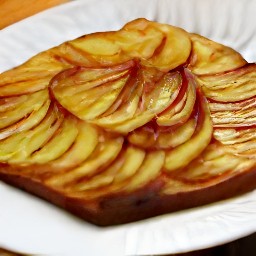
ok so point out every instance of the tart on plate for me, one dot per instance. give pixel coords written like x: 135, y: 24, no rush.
x: 125, y: 125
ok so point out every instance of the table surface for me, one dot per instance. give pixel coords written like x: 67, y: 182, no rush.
x: 12, y: 11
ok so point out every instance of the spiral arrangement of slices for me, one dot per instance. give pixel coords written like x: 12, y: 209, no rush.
x: 111, y: 112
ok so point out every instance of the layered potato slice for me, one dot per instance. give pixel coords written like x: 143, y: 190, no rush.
x: 123, y: 125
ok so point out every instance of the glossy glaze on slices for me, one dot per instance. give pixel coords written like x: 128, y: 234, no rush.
x: 121, y: 126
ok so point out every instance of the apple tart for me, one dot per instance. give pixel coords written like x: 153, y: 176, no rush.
x: 120, y: 126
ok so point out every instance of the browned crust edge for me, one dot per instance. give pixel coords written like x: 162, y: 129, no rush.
x: 139, y: 205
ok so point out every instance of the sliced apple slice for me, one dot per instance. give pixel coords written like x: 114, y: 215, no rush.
x: 238, y: 114
x: 230, y: 136
x: 24, y: 87
x: 201, y: 170
x: 184, y: 114
x: 69, y: 96
x: 208, y: 57
x: 177, y: 105
x: 247, y: 149
x: 92, y: 103
x: 174, y: 49
x: 70, y: 55
x: 79, y: 79
x: 150, y: 169
x: 122, y: 169
x: 26, y: 123
x: 102, y: 179
x: 40, y: 66
x: 103, y: 155
x: 58, y: 145
x: 153, y: 101
x: 97, y: 44
x: 86, y: 141
x: 182, y: 155
x: 33, y: 103
x: 125, y: 112
x: 162, y: 46
x: 231, y: 86
x: 216, y: 162
x: 178, y: 136
x: 104, y: 102
x: 162, y: 93
x: 126, y: 104
x: 8, y: 103
x: 155, y: 138
x: 143, y: 138
x: 135, y: 122
x: 87, y: 98
x: 31, y: 140
x: 139, y: 42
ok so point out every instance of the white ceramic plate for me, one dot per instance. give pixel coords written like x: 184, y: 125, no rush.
x: 28, y: 224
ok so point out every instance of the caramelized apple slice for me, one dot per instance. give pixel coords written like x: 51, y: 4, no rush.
x: 70, y: 55
x: 24, y: 87
x: 150, y: 169
x: 58, y: 145
x: 153, y: 137
x: 238, y: 141
x: 31, y: 140
x: 162, y: 93
x: 120, y: 46
x: 109, y: 94
x: 231, y: 86
x: 79, y: 79
x: 230, y: 136
x: 178, y: 104
x: 88, y: 98
x: 26, y: 123
x: 43, y: 65
x: 246, y: 148
x: 123, y: 168
x: 9, y: 103
x: 216, y: 162
x: 165, y: 119
x: 125, y: 112
x: 179, y: 136
x: 33, y: 103
x: 154, y: 100
x: 174, y: 49
x: 182, y: 155
x: 208, y: 57
x: 139, y: 42
x: 103, y: 155
x: 144, y: 137
x: 219, y: 167
x: 162, y: 46
x: 86, y: 141
x: 237, y: 114
x: 172, y: 45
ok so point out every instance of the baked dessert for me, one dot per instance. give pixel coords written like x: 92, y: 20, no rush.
x: 121, y: 126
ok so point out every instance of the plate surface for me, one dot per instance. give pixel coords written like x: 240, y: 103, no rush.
x: 30, y: 225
